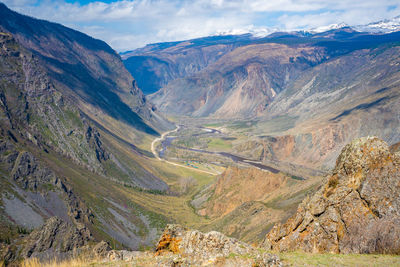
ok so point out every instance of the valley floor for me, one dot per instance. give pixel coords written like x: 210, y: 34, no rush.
x: 156, y: 154
x: 190, y: 157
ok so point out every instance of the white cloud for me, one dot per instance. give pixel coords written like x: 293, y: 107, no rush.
x: 356, y: 16
x: 129, y: 24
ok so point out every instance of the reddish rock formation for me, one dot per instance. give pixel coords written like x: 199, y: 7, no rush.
x: 236, y: 186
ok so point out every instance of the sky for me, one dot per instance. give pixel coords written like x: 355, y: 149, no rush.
x: 126, y: 25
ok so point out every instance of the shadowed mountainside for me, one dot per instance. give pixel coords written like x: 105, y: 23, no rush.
x: 72, y: 120
x: 77, y: 64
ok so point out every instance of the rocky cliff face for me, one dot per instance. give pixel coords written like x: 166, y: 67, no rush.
x: 35, y: 195
x: 356, y: 211
x: 236, y: 186
x: 356, y: 95
x: 361, y: 100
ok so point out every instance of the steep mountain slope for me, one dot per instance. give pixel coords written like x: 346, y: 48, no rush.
x: 55, y: 82
x: 245, y: 81
x: 71, y: 118
x: 78, y: 63
x: 240, y: 84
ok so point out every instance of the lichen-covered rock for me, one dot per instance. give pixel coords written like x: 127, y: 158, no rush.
x: 357, y: 211
x: 192, y: 247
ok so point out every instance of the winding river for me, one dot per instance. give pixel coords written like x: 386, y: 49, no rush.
x: 157, y: 155
x: 166, y: 141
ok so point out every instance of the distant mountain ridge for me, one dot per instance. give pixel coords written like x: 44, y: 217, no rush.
x: 153, y: 66
x: 192, y: 68
x: 382, y: 26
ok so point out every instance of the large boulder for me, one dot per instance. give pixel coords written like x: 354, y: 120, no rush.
x: 356, y: 211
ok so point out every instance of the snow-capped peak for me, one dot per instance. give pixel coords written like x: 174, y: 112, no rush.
x: 383, y: 26
x: 254, y: 31
x: 329, y: 27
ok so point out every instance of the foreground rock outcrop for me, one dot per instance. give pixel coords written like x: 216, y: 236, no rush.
x: 192, y: 247
x: 357, y: 211
x: 179, y: 246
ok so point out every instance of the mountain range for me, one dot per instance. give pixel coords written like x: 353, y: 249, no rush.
x: 87, y: 153
x: 350, y: 77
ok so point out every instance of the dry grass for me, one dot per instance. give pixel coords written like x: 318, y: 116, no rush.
x: 289, y: 259
x: 308, y: 259
x: 78, y: 262
x: 68, y: 263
